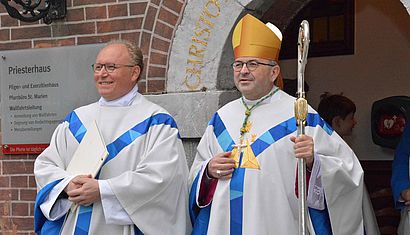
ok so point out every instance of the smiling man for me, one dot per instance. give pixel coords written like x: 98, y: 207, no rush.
x: 244, y: 174
x: 141, y: 187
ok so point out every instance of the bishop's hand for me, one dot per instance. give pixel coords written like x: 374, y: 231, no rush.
x: 221, y: 166
x: 304, y: 147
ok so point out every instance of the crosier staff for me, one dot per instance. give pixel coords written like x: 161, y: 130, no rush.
x: 301, y: 110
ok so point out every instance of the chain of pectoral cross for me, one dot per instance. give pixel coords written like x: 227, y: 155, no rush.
x: 246, y: 125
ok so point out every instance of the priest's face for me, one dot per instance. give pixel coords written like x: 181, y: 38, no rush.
x: 114, y: 74
x: 258, y: 79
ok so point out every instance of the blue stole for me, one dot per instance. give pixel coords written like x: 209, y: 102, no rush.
x: 41, y: 224
x: 78, y: 130
x: 200, y: 217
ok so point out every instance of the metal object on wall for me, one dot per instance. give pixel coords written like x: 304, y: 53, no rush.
x: 34, y: 10
x: 388, y: 119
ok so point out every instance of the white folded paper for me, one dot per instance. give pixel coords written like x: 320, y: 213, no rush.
x: 87, y: 159
x: 90, y: 154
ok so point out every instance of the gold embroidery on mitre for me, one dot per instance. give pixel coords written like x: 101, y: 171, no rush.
x: 251, y: 37
x: 249, y: 160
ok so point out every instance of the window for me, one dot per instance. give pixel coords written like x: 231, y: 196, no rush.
x: 331, y: 29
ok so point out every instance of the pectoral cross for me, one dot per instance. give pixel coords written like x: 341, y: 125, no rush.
x: 236, y: 152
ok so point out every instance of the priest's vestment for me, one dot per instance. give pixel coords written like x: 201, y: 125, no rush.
x: 146, y: 169
x: 263, y: 201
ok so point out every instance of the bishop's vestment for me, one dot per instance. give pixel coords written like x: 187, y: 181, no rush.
x: 263, y: 201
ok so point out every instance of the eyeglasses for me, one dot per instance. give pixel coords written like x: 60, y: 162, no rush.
x: 109, y: 67
x: 251, y: 65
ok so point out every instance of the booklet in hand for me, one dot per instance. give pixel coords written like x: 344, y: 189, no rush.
x: 90, y: 154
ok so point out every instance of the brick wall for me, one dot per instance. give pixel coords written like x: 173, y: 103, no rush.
x: 17, y: 193
x: 149, y: 23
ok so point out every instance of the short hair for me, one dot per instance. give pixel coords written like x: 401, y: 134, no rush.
x: 331, y: 106
x: 133, y: 50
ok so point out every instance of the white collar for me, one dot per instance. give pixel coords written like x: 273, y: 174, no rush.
x: 125, y: 100
x: 267, y: 101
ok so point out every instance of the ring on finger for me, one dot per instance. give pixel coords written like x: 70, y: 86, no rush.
x: 218, y: 172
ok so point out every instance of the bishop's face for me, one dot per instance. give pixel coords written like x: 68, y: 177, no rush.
x: 254, y: 84
x: 114, y: 84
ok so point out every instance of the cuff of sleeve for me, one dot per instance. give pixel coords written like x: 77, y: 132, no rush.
x: 206, y: 187
x: 105, y: 189
x: 56, y: 206
x: 316, y: 196
x: 114, y: 213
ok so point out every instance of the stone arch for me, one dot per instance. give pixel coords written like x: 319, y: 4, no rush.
x: 155, y: 38
x: 201, y: 50
x: 199, y: 80
x: 193, y: 106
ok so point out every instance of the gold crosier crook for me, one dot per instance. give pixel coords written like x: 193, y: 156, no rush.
x: 301, y: 111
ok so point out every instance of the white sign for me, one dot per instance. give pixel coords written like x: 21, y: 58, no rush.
x: 39, y: 87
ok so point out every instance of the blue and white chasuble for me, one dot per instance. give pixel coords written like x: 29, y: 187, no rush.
x: 263, y: 201
x: 146, y: 169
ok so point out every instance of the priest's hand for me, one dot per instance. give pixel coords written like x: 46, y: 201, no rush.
x: 71, y: 185
x: 304, y: 148
x: 221, y: 166
x: 405, y: 194
x: 88, y: 193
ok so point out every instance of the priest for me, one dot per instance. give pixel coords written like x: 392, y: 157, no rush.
x: 243, y: 179
x: 141, y: 188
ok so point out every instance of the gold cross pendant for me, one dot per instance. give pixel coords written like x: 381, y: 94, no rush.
x: 249, y: 160
x: 236, y: 152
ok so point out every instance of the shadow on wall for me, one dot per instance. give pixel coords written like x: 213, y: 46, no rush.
x: 396, y: 18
